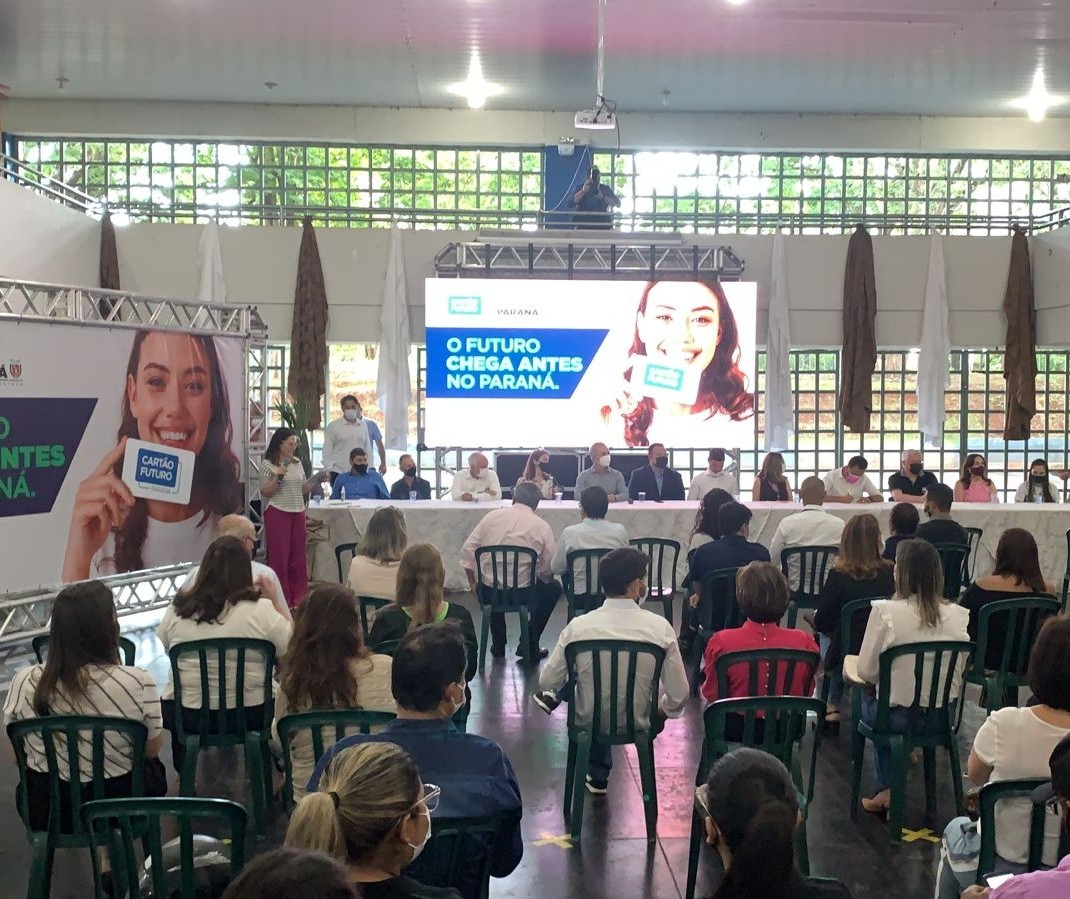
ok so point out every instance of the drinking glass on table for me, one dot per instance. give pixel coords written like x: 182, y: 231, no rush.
x: 642, y: 496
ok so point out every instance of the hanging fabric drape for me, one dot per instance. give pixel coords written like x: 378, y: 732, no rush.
x: 934, y: 358
x: 1020, y: 356
x: 108, y: 269
x: 308, y: 334
x: 779, y: 401
x: 859, y: 357
x: 393, y: 385
x: 211, y: 286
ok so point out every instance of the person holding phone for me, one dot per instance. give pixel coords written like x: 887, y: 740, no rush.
x: 593, y: 202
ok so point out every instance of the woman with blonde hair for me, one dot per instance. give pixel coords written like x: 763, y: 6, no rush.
x: 771, y: 486
x: 371, y: 812
x: 420, y: 600
x: 373, y: 571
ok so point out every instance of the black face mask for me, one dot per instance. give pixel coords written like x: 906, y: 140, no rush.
x: 1039, y: 478
x: 409, y: 472
x: 978, y: 471
x: 360, y: 469
x: 662, y: 461
x: 916, y: 468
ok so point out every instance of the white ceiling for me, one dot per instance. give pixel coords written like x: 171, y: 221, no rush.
x: 940, y: 57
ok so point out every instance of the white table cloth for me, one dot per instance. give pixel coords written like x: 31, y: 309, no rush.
x: 446, y: 524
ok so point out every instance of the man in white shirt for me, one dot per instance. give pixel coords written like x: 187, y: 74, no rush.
x: 601, y: 475
x: 593, y: 532
x: 478, y: 483
x: 714, y: 476
x: 813, y: 526
x: 850, y: 484
x: 623, y: 575
x: 517, y: 525
x: 345, y: 434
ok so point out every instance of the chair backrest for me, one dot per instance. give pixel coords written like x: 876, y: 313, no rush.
x: 1020, y: 620
x: 66, y: 738
x: 662, y: 557
x: 717, y: 607
x: 318, y: 722
x: 770, y: 672
x: 502, y: 589
x: 461, y: 851
x: 613, y: 674
x: 936, y: 666
x: 127, y: 649
x: 975, y: 545
x: 226, y: 657
x: 117, y: 823
x: 369, y: 604
x: 581, y: 567
x: 854, y: 616
x: 994, y: 792
x: 386, y: 647
x: 340, y: 550
x: 955, y: 561
x: 814, y: 563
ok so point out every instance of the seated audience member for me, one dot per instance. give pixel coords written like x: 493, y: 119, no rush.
x: 292, y: 874
x: 1036, y: 488
x: 1017, y: 573
x: 751, y: 811
x: 859, y: 572
x: 705, y: 529
x: 409, y: 481
x: 850, y: 484
x: 593, y: 532
x: 536, y: 471
x: 374, y: 568
x: 241, y: 527
x: 622, y: 573
x: 370, y: 811
x: 771, y: 486
x: 916, y: 613
x: 713, y: 478
x: 601, y: 475
x: 327, y: 666
x: 478, y: 483
x: 474, y: 773
x: 360, y: 482
x: 733, y: 550
x: 813, y: 526
x: 974, y: 485
x: 222, y: 602
x: 83, y: 676
x: 421, y: 600
x: 1015, y: 743
x: 655, y: 480
x: 904, y: 526
x: 517, y: 525
x: 908, y: 485
x: 941, y: 528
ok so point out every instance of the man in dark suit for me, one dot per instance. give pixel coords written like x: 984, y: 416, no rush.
x: 656, y: 481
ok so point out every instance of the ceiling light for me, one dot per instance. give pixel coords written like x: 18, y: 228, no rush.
x: 736, y: 2
x: 475, y: 88
x: 1038, y: 101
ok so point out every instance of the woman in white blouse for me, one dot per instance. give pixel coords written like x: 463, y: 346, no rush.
x: 1037, y: 487
x: 917, y: 613
x: 374, y: 569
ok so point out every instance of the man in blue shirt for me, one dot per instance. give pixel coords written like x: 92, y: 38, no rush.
x: 476, y: 777
x: 359, y: 482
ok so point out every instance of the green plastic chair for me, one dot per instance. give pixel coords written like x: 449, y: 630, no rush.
x: 370, y: 604
x: 117, y: 823
x: 1024, y: 617
x: 317, y: 722
x: 229, y: 656
x: 955, y: 562
x: 662, y: 558
x: 505, y: 594
x: 460, y: 852
x: 127, y: 649
x: 61, y: 736
x: 717, y: 610
x: 996, y: 791
x: 854, y: 616
x: 975, y: 545
x: 1066, y: 576
x: 585, y: 561
x: 386, y: 647
x: 814, y: 565
x: 930, y: 726
x: 340, y: 550
x: 612, y: 662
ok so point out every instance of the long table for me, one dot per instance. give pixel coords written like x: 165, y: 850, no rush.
x: 446, y: 524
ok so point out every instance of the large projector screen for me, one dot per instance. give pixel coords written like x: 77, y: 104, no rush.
x: 526, y: 363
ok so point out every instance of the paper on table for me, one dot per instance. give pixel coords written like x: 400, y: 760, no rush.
x: 850, y: 670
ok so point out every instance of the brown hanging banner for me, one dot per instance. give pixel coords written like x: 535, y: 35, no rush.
x: 859, y: 357
x: 1020, y: 354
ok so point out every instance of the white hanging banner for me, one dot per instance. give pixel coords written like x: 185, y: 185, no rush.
x: 934, y: 358
x: 779, y: 401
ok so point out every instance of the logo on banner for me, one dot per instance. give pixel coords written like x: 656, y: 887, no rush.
x: 465, y: 306
x: 11, y: 373
x: 153, y: 471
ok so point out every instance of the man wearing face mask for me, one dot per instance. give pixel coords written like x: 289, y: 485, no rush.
x: 850, y: 484
x: 622, y: 574
x: 656, y: 481
x: 477, y: 780
x: 345, y: 434
x: 713, y: 477
x: 908, y: 485
x: 410, y: 481
x: 601, y: 475
x: 359, y: 482
x: 940, y: 528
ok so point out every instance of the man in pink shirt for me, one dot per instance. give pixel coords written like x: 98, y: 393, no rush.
x: 517, y: 525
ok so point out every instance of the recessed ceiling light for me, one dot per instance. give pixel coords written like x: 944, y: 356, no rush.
x: 736, y: 2
x: 475, y: 88
x: 1038, y: 101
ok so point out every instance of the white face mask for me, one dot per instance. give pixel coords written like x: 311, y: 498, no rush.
x: 416, y: 850
x: 640, y: 600
x: 351, y: 414
x: 604, y: 460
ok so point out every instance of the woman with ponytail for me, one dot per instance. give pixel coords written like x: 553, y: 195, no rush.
x: 751, y: 812
x: 420, y: 600
x: 371, y: 812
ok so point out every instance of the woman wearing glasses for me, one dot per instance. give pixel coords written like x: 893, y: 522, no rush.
x: 371, y: 812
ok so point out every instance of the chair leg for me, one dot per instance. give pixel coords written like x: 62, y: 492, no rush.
x: 255, y: 775
x: 698, y: 832
x: 802, y: 849
x: 858, y: 755
x: 525, y: 639
x: 40, y: 883
x: 579, y: 783
x: 484, y: 637
x: 962, y: 706
x: 666, y: 604
x: 899, y: 787
x: 956, y: 776
x: 570, y: 777
x: 644, y: 749
x: 928, y: 756
x: 187, y: 778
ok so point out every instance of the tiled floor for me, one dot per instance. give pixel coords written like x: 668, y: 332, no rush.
x: 613, y: 858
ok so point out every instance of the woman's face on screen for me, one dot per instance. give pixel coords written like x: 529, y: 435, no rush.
x: 681, y: 323
x: 171, y: 396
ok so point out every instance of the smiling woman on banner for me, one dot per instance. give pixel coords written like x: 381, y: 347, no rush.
x: 175, y: 395
x: 686, y: 353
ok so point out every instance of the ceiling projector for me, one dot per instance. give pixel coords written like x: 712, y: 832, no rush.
x: 600, y: 119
